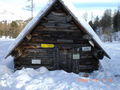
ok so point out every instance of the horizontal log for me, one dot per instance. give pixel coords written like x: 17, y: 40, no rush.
x: 63, y: 40
x: 78, y: 33
x: 60, y: 26
x: 86, y: 66
x: 58, y: 13
x: 49, y: 24
x: 53, y: 21
x: 74, y: 28
x: 56, y: 45
x: 56, y: 18
x: 50, y: 67
x: 39, y: 27
x: 50, y: 29
x: 40, y: 56
x: 57, y: 38
x: 40, y: 50
x: 87, y: 61
x: 26, y: 61
x: 56, y: 42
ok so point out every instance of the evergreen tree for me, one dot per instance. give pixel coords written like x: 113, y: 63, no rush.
x: 13, y: 29
x: 96, y: 23
x: 106, y: 20
x: 116, y: 21
x: 91, y: 24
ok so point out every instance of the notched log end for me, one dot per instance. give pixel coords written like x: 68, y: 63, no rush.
x: 29, y: 37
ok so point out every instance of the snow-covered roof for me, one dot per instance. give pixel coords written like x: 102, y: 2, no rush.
x: 72, y: 10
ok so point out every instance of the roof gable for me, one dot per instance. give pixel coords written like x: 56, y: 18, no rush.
x: 70, y: 8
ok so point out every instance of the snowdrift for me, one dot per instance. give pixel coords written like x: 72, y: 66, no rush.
x: 42, y: 79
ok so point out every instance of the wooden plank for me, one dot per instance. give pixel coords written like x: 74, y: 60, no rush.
x: 58, y: 13
x: 57, y: 38
x: 55, y: 21
x: 78, y: 33
x: 56, y: 18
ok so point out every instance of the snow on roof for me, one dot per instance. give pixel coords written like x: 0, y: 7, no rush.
x: 73, y: 12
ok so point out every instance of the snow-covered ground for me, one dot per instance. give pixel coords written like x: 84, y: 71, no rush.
x: 107, y: 78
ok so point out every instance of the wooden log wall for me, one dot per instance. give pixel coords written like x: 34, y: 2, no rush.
x: 58, y: 28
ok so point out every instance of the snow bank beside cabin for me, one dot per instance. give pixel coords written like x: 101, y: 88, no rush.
x: 30, y: 79
x: 4, y: 45
x: 112, y: 65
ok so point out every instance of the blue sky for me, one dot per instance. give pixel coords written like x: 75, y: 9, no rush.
x: 94, y: 5
x: 14, y: 9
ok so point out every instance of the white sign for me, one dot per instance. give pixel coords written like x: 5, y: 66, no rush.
x: 76, y: 56
x: 36, y: 61
x: 88, y: 48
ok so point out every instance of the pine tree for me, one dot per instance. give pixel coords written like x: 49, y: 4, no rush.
x: 96, y: 23
x: 13, y: 29
x: 106, y: 20
x: 116, y: 21
x: 91, y: 24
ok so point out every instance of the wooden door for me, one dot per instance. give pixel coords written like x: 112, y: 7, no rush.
x: 65, y: 59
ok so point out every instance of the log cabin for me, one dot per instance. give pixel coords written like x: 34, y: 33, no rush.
x: 59, y: 39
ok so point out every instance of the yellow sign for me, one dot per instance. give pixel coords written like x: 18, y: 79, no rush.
x: 47, y: 45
